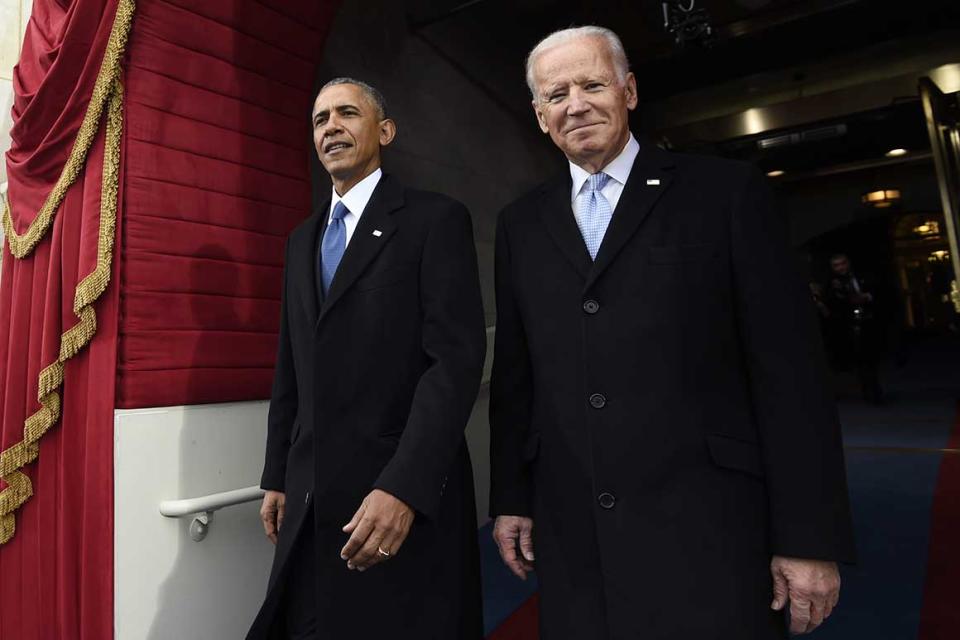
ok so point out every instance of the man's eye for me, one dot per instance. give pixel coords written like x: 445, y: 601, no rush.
x: 556, y: 97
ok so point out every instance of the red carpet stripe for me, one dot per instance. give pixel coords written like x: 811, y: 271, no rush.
x: 522, y: 623
x: 940, y: 616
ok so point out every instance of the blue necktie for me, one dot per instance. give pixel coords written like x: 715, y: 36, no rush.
x: 594, y: 212
x: 333, y: 245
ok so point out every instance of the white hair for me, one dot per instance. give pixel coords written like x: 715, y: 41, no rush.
x: 620, y: 63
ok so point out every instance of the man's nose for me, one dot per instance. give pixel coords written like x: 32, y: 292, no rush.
x: 332, y: 127
x: 577, y: 103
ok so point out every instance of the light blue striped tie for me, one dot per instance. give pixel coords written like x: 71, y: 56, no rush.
x: 594, y: 212
x: 333, y: 245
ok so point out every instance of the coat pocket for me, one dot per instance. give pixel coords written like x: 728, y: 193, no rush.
x: 738, y: 455
x: 393, y: 434
x: 295, y: 432
x: 386, y: 277
x: 680, y: 253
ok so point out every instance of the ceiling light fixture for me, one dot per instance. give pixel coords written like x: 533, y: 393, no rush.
x: 938, y: 255
x: 896, y: 153
x: 928, y: 228
x: 776, y: 173
x: 881, y: 199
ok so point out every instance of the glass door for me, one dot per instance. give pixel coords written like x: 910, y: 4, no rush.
x: 943, y: 125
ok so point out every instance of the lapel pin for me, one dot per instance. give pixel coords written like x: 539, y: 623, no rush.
x: 377, y: 232
x: 653, y: 182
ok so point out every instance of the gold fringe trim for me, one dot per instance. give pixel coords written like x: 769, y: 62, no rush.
x: 19, y: 488
x: 22, y: 245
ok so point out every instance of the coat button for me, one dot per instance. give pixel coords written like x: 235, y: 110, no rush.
x: 306, y: 498
x: 598, y: 401
x: 606, y: 500
x: 591, y: 306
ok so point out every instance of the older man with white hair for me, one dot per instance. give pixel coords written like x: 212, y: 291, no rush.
x: 664, y: 452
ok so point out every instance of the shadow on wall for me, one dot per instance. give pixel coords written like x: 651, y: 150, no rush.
x: 215, y: 586
x: 454, y: 136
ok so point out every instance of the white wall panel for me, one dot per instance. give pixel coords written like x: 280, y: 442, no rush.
x: 166, y: 585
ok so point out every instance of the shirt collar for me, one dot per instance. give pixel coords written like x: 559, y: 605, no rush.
x: 618, y: 168
x: 356, y: 199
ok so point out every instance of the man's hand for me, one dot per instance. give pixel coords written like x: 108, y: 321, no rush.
x: 271, y: 513
x: 510, y: 533
x: 380, y: 524
x: 811, y: 586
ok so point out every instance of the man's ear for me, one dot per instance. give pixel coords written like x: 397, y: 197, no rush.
x: 388, y: 131
x: 541, y: 119
x: 630, y: 88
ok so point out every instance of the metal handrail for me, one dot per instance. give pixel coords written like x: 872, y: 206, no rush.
x: 202, y: 508
x: 210, y: 503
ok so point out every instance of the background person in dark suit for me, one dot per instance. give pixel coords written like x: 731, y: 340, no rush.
x: 369, y: 486
x: 854, y: 313
x: 661, y: 435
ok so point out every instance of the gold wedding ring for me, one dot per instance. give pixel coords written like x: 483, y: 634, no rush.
x: 382, y: 552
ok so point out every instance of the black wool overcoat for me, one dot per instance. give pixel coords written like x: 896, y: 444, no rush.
x: 373, y: 387
x: 661, y: 412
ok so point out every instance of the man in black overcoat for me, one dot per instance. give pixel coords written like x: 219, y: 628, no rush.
x: 369, y: 491
x: 664, y: 451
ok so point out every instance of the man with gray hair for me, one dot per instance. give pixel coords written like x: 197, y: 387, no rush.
x: 664, y: 451
x: 369, y: 488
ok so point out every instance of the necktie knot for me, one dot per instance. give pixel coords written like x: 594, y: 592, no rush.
x: 597, y: 181
x: 340, y: 211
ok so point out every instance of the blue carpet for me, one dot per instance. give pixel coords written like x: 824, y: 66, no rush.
x: 881, y: 597
x: 891, y: 493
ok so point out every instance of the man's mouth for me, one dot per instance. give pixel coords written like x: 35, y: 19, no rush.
x: 581, y: 126
x: 335, y: 147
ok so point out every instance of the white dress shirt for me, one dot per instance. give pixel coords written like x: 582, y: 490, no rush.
x: 355, y: 200
x: 618, y: 169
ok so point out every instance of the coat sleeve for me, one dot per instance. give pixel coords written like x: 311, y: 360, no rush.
x: 454, y: 342
x: 511, y: 394
x: 796, y: 416
x: 283, y: 400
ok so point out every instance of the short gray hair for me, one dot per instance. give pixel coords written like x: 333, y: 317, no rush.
x: 375, y: 97
x: 620, y: 63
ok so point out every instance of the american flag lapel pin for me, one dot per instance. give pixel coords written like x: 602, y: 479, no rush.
x: 377, y: 232
x: 653, y: 182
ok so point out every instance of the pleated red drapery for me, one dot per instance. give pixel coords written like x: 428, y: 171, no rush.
x: 58, y: 346
x: 210, y: 174
x: 218, y: 143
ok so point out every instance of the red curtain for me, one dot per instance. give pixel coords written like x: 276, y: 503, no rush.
x: 58, y: 347
x: 218, y: 101
x: 213, y: 173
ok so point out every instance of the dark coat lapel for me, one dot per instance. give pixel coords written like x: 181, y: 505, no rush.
x: 557, y: 214
x: 636, y: 202
x: 364, y: 245
x: 303, y: 260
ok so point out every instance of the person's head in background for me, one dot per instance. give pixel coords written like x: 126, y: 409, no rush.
x: 840, y: 264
